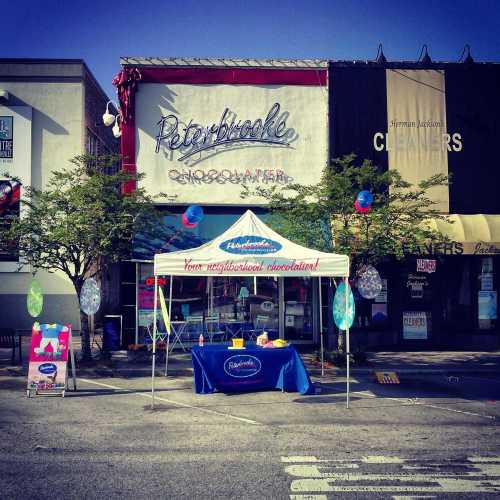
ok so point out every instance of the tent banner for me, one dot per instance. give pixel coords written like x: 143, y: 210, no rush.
x: 252, y: 266
x: 250, y: 247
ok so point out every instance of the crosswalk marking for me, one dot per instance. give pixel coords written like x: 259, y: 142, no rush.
x: 313, y: 478
x: 380, y: 459
x: 412, y: 497
x: 308, y: 497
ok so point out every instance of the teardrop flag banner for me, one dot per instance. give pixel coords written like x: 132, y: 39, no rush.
x: 34, y: 299
x: 343, y: 313
x: 164, y: 310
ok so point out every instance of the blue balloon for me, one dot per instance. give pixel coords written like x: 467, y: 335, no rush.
x: 194, y: 214
x: 365, y: 199
x: 343, y: 314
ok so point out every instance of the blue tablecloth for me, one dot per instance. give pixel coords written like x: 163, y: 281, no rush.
x: 217, y: 368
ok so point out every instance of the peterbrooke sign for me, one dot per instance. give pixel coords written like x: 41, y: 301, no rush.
x: 194, y: 138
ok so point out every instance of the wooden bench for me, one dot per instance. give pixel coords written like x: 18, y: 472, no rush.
x: 9, y: 340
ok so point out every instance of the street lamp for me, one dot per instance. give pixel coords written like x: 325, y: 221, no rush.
x: 117, y: 132
x: 109, y: 119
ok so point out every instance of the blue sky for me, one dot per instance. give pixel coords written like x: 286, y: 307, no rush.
x: 101, y: 31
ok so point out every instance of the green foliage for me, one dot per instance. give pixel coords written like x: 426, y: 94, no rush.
x: 323, y: 216
x: 81, y: 221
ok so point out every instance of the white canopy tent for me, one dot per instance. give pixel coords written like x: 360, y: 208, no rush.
x: 249, y: 248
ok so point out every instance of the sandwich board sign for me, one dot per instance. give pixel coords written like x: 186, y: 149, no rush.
x: 48, y: 365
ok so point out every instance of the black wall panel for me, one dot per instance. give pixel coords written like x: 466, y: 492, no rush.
x: 473, y: 110
x: 357, y: 109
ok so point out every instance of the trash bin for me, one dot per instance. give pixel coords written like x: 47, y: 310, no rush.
x: 112, y: 332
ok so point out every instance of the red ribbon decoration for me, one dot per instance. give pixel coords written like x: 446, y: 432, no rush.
x: 126, y: 83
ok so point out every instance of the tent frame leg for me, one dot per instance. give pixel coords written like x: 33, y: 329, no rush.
x: 153, y: 363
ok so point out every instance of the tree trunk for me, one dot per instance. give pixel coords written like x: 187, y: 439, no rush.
x: 85, y: 337
x: 84, y: 321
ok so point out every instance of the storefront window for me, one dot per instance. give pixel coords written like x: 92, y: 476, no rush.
x: 265, y: 303
x: 456, y: 296
x: 418, y: 297
x: 298, y: 308
x: 487, y: 296
x: 245, y: 299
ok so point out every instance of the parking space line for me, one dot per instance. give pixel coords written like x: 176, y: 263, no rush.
x: 165, y: 400
x: 416, y: 402
x: 456, y: 411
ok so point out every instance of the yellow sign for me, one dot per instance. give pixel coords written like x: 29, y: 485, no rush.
x: 387, y: 377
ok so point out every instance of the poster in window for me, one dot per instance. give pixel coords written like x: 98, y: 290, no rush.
x: 146, y: 295
x: 382, y: 296
x: 379, y: 313
x: 6, y: 136
x: 487, y: 265
x: 487, y: 282
x: 10, y: 194
x: 15, y: 159
x: 487, y: 305
x: 415, y: 325
x: 417, y: 291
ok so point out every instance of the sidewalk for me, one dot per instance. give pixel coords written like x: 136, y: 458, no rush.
x: 401, y: 362
x: 418, y: 362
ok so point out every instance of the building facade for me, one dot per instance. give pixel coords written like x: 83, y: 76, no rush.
x: 50, y: 111
x: 201, y: 130
x: 204, y: 130
x: 427, y: 119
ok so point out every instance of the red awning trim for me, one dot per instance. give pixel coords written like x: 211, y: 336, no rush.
x: 235, y: 76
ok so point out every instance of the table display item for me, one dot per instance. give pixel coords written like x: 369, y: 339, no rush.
x: 217, y: 369
x: 238, y: 343
x: 262, y: 339
x: 279, y: 343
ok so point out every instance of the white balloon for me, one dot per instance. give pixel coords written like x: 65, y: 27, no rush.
x: 369, y: 283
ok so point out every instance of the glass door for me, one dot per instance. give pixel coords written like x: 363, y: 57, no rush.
x: 298, y: 303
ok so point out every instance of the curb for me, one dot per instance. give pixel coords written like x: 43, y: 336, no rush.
x: 407, y: 370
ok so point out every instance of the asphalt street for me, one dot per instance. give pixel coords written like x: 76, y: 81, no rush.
x: 432, y: 436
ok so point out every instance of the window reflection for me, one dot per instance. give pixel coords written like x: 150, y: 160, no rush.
x: 298, y: 308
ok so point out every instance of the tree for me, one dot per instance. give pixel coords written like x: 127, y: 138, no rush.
x: 323, y: 216
x: 81, y: 222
